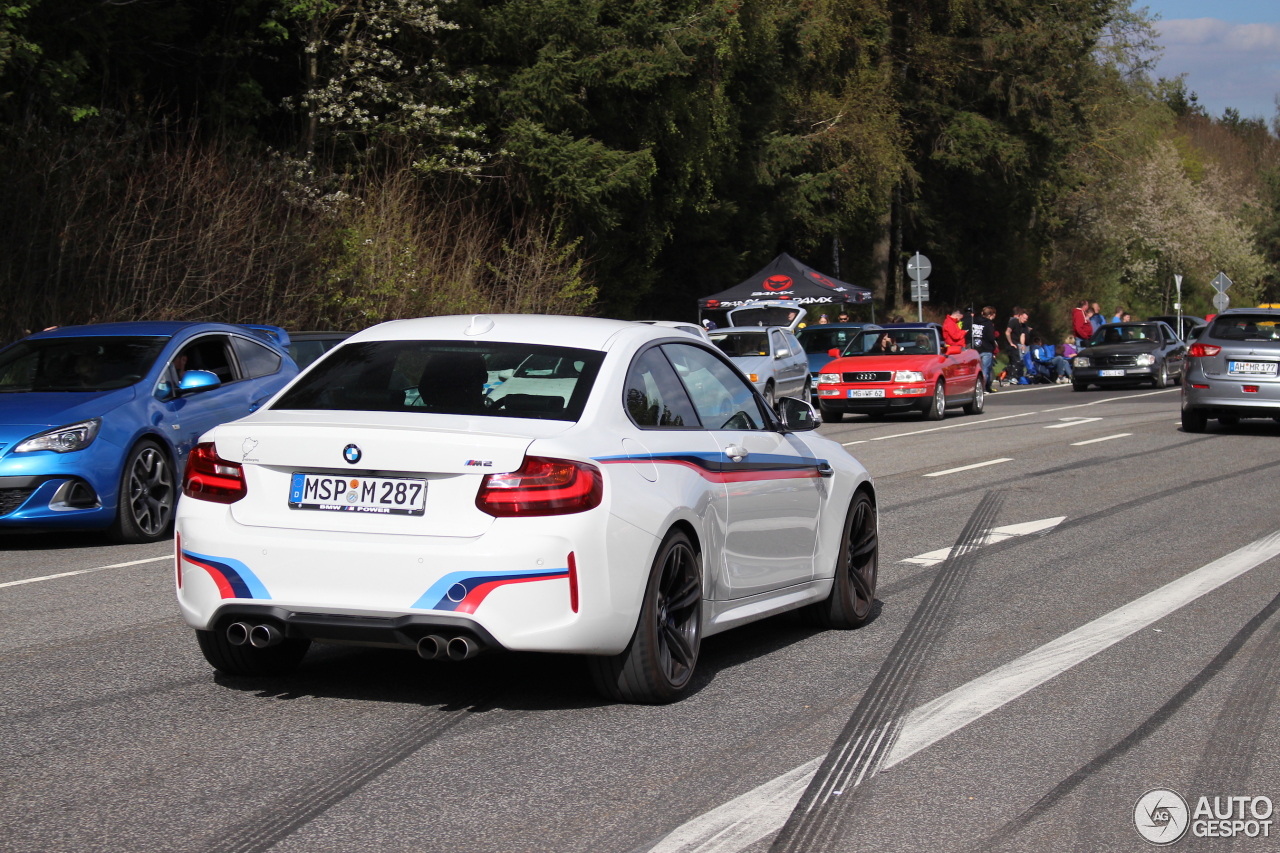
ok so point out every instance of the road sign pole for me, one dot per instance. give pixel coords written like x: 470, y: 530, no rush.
x: 1177, y: 281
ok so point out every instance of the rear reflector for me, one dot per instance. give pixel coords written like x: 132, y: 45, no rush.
x: 209, y: 477
x: 573, y: 583
x: 542, y: 487
x: 1250, y: 389
x: 1201, y: 387
x: 177, y: 557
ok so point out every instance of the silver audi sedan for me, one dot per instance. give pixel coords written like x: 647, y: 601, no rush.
x: 1233, y: 370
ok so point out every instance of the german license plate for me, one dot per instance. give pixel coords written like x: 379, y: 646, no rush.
x: 376, y: 495
x: 1111, y: 373
x: 866, y: 392
x: 1251, y: 368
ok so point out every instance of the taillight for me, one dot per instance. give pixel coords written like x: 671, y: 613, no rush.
x: 208, y: 477
x: 542, y: 487
x: 1203, y: 350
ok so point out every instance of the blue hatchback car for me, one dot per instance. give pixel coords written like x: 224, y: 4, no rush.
x: 96, y: 421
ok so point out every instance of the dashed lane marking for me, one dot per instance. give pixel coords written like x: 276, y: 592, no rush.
x: 1104, y: 438
x: 762, y: 811
x: 87, y: 571
x: 1071, y: 421
x: 992, y: 536
x: 970, y: 467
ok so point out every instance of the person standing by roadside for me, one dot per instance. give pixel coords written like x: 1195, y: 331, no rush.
x: 952, y: 334
x: 1095, y: 317
x: 1014, y: 333
x: 982, y: 337
x: 1080, y: 322
x: 1119, y: 315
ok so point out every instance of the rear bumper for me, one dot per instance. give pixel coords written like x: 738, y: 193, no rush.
x: 510, y: 587
x: 1229, y: 398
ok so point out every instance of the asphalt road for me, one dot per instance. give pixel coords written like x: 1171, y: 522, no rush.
x: 1018, y: 693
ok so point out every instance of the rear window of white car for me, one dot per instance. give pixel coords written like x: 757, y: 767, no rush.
x: 476, y: 378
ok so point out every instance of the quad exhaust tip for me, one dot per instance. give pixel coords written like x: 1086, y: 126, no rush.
x: 435, y: 647
x: 259, y: 636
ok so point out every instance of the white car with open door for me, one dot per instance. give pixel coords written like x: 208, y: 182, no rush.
x: 453, y: 485
x: 761, y: 341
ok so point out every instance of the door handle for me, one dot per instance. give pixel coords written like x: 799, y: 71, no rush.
x: 825, y: 469
x: 736, y: 453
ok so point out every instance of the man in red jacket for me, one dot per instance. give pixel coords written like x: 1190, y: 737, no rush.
x: 1080, y: 324
x: 952, y: 334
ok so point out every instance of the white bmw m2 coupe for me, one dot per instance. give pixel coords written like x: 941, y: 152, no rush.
x: 457, y: 485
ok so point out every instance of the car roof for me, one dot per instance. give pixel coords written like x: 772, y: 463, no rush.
x: 150, y: 328
x: 933, y: 326
x: 551, y: 330
x: 1274, y: 312
x: 850, y: 325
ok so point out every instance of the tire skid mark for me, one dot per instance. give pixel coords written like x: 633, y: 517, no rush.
x: 1046, y: 472
x: 1227, y: 758
x: 306, y: 802
x: 920, y: 577
x: 1146, y: 728
x: 98, y: 701
x: 870, y: 733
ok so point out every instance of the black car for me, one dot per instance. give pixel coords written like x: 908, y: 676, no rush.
x: 1189, y: 324
x: 306, y: 347
x: 1125, y: 353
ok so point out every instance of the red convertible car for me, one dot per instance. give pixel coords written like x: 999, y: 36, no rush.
x: 899, y: 368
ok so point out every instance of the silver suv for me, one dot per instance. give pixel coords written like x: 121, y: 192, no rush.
x: 1233, y: 370
x: 761, y: 342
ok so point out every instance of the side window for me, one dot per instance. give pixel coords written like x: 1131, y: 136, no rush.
x: 722, y: 398
x: 777, y: 342
x: 255, y: 359
x: 796, y: 349
x: 654, y: 396
x: 208, y: 352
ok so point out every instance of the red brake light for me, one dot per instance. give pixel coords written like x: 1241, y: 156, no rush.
x: 208, y: 477
x: 541, y: 487
x: 1203, y: 350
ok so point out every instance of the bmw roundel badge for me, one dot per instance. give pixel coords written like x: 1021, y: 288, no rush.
x: 351, y: 453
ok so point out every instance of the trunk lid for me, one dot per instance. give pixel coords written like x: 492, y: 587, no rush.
x: 452, y: 454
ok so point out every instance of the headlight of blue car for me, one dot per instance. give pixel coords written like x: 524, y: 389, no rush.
x: 63, y: 439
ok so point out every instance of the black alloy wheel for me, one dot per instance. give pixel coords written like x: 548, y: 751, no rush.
x: 144, y: 511
x: 853, y: 592
x: 938, y: 405
x: 658, y: 664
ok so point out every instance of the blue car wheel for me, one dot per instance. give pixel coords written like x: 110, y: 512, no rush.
x: 147, y: 496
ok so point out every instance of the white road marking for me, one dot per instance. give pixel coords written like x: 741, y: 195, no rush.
x: 1029, y: 388
x: 762, y: 811
x: 953, y: 426
x: 1071, y: 421
x: 994, y: 535
x: 852, y: 443
x: 87, y: 571
x: 1109, y: 400
x: 970, y: 467
x: 1104, y: 438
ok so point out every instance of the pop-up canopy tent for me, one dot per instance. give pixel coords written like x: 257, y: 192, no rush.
x: 787, y: 278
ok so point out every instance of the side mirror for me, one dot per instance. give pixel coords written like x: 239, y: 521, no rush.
x: 198, y: 380
x: 834, y: 352
x: 796, y: 414
x: 781, y: 353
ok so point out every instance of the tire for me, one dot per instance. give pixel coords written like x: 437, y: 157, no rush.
x: 938, y: 405
x: 247, y: 660
x: 1079, y: 386
x: 1161, y: 379
x: 1229, y: 422
x: 830, y: 416
x: 806, y: 393
x: 769, y: 394
x: 1193, y: 420
x: 658, y: 664
x: 145, y: 502
x: 979, y: 399
x: 853, y: 591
